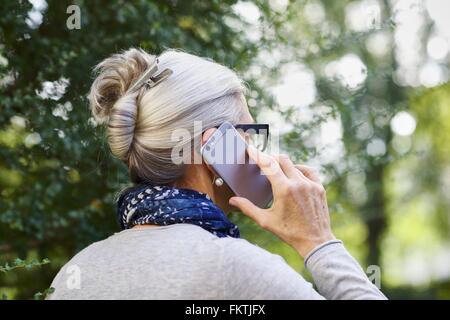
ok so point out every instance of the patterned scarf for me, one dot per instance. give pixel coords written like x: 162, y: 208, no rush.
x: 163, y: 205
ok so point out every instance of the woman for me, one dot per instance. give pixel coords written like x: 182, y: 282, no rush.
x: 177, y: 242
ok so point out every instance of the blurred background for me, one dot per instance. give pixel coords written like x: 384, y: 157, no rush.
x: 358, y: 89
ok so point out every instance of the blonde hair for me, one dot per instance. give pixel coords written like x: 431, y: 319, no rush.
x: 140, y: 123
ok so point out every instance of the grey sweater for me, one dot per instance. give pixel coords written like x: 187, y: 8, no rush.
x: 183, y: 261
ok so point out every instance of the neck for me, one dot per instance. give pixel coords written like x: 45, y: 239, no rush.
x: 197, y: 177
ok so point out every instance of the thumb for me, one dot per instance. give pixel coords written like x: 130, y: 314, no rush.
x: 248, y: 208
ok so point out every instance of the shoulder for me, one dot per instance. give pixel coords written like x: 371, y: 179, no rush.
x: 237, y: 248
x: 252, y: 272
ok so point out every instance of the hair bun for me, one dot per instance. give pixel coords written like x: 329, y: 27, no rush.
x: 115, y: 75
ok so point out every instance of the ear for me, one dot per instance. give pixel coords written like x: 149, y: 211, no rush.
x: 207, y: 134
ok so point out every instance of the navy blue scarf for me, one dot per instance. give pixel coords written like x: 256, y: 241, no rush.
x: 163, y: 205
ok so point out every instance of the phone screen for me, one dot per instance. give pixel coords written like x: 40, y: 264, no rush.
x: 226, y: 153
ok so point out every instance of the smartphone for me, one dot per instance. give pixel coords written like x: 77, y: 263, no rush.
x: 226, y: 153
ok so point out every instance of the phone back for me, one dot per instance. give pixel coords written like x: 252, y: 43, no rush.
x: 226, y: 153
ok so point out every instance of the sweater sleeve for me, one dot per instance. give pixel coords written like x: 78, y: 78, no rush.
x: 253, y: 273
x: 337, y: 275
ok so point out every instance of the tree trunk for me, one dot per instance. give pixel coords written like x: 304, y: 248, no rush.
x: 374, y: 212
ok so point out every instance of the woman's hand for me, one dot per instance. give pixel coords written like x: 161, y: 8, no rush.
x: 299, y: 214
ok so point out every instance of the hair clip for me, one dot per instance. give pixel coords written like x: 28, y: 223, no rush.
x: 149, y: 78
x: 153, y: 81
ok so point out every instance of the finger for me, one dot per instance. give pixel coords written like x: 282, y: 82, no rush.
x: 288, y: 167
x: 308, y: 172
x: 268, y: 165
x: 248, y: 208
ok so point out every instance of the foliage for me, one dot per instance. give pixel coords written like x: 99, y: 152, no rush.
x: 19, y: 264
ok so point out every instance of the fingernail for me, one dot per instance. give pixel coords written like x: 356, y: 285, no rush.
x: 232, y: 201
